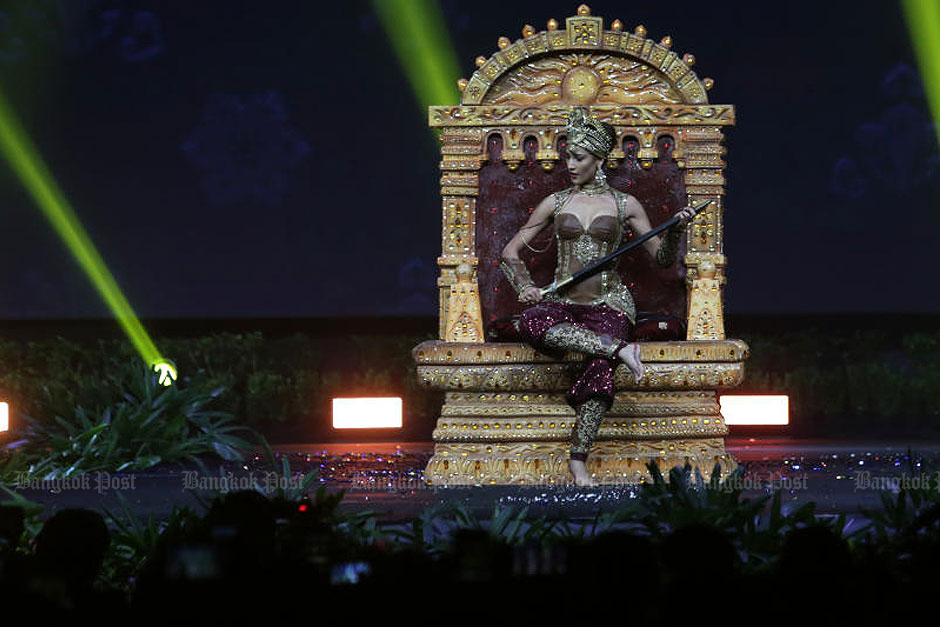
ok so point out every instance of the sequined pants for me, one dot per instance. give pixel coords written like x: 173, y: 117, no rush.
x: 596, y: 330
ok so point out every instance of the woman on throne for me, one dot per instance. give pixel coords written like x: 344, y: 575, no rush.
x: 595, y: 316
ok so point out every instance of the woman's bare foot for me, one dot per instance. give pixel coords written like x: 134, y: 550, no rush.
x: 630, y: 355
x: 579, y: 470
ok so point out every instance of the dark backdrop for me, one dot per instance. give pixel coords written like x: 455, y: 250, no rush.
x: 268, y: 159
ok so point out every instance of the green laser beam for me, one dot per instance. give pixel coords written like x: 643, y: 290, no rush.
x: 35, y: 176
x: 923, y: 23
x: 422, y: 45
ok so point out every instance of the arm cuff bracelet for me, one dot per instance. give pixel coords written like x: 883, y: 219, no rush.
x: 668, y: 248
x: 517, y: 274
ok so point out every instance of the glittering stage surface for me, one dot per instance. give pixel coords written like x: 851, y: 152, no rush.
x: 387, y: 479
x: 839, y: 476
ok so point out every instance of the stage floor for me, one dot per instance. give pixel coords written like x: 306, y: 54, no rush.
x: 840, y: 476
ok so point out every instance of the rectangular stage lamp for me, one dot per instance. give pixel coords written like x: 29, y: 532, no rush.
x: 367, y: 413
x: 4, y: 416
x: 755, y: 410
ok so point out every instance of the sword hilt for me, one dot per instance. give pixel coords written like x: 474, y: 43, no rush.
x: 554, y: 287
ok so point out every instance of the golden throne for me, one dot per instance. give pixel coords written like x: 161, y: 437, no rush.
x: 505, y: 419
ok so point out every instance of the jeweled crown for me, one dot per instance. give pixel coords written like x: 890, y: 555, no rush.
x: 586, y: 132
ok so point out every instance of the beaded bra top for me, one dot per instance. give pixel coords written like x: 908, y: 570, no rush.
x: 585, y: 245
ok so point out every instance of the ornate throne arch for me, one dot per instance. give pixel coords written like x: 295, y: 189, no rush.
x: 504, y: 418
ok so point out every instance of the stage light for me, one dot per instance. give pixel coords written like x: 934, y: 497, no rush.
x: 35, y: 176
x: 366, y: 413
x: 755, y: 410
x: 422, y: 45
x: 166, y: 370
x: 4, y: 416
x: 923, y: 23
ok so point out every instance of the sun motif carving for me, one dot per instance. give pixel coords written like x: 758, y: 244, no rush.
x: 582, y: 79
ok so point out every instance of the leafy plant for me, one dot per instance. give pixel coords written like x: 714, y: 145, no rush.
x: 31, y: 512
x: 134, y: 542
x: 295, y: 490
x: 753, y: 528
x: 909, y: 513
x: 150, y: 424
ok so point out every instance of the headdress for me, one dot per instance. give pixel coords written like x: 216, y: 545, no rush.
x: 586, y: 132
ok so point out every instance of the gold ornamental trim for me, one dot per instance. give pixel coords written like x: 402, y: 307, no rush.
x: 627, y: 404
x: 704, y: 177
x: 469, y: 180
x: 557, y: 377
x: 698, y: 258
x: 450, y: 353
x: 659, y: 405
x: 523, y: 410
x: 487, y: 398
x: 707, y: 190
x: 448, y: 190
x: 704, y: 161
x: 559, y: 429
x: 585, y: 34
x: 585, y: 31
x: 557, y: 115
x: 541, y: 410
x: 472, y: 165
x: 701, y: 149
x: 546, y: 463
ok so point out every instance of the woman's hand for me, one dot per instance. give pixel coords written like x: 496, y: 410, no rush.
x: 685, y: 215
x: 530, y: 295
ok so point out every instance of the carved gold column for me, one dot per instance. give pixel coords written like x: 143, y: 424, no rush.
x: 702, y: 151
x: 460, y: 163
x: 706, y: 319
x: 464, y: 318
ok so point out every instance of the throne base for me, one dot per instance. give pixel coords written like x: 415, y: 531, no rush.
x: 546, y: 463
x: 505, y: 419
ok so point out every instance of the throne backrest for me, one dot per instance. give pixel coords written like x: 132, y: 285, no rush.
x: 503, y: 149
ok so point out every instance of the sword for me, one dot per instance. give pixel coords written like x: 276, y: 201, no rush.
x: 597, y: 265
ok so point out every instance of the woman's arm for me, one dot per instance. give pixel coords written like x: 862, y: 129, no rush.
x: 513, y: 267
x: 663, y: 247
x: 536, y: 222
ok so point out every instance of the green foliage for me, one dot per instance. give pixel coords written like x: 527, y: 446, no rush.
x: 913, y: 511
x: 50, y: 378
x: 268, y: 383
x: 96, y: 408
x: 135, y: 542
x: 428, y: 532
x: 871, y: 375
x: 754, y: 528
x: 313, y: 528
x: 258, y: 374
x: 275, y: 384
x: 902, y: 537
x: 31, y: 513
x: 147, y: 425
x: 296, y: 489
